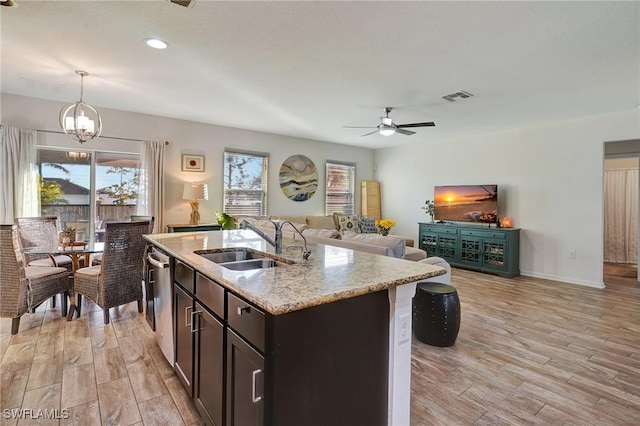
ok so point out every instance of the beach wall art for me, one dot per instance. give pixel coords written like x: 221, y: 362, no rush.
x: 298, y: 178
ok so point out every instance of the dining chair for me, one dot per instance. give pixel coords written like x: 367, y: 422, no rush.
x: 67, y: 216
x: 118, y: 279
x: 23, y: 288
x: 151, y: 219
x: 40, y: 232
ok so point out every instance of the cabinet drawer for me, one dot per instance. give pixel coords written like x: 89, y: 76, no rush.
x: 482, y: 233
x: 183, y: 275
x: 211, y: 294
x: 440, y: 230
x: 247, y: 320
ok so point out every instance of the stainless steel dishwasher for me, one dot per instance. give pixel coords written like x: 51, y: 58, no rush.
x: 160, y: 284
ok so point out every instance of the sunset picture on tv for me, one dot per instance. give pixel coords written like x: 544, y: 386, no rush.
x: 466, y: 203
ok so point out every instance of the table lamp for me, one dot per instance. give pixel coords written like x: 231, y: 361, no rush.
x: 194, y: 192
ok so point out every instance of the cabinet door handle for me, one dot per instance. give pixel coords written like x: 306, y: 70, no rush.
x: 243, y: 309
x: 254, y: 398
x: 186, y: 316
x: 193, y: 320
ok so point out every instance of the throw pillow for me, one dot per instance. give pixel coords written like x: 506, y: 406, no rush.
x: 396, y: 245
x: 368, y: 225
x: 350, y: 224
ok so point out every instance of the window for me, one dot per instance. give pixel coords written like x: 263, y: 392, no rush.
x: 86, y: 189
x: 340, y: 188
x: 245, y: 183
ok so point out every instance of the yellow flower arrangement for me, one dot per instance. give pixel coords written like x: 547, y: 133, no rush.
x: 384, y: 225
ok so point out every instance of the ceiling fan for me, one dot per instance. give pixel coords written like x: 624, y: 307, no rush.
x: 387, y: 127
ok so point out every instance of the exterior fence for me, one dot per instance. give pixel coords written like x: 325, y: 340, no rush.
x: 103, y: 212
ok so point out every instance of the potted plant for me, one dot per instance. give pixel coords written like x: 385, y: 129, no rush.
x: 429, y: 208
x: 225, y: 221
x: 67, y: 235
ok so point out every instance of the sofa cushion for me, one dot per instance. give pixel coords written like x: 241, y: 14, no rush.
x: 415, y: 254
x: 292, y: 219
x: 396, y: 245
x: 349, y: 224
x: 321, y: 222
x: 368, y: 225
x: 321, y: 233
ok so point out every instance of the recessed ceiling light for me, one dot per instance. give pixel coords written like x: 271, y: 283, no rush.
x: 156, y: 43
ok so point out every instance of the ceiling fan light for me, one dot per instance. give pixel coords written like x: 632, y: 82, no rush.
x: 387, y: 131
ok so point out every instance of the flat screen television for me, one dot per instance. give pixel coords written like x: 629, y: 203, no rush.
x: 466, y: 203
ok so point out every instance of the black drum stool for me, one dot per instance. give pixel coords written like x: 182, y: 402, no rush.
x: 436, y: 314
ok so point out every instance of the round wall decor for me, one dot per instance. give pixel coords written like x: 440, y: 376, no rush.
x: 298, y: 178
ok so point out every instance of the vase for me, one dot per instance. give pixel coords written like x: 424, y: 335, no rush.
x: 384, y: 232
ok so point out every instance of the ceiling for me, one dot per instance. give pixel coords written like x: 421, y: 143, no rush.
x: 307, y: 68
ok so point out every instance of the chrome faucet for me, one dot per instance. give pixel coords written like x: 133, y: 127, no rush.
x: 276, y: 242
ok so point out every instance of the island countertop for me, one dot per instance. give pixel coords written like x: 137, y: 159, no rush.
x: 330, y: 274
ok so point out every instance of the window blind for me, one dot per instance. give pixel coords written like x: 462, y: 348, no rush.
x: 245, y: 183
x: 340, y: 188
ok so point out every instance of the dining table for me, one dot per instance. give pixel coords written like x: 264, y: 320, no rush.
x: 76, y: 251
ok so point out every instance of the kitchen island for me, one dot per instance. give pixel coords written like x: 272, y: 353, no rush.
x: 320, y: 341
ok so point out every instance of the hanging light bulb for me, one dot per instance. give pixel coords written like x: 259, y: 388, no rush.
x: 75, y: 123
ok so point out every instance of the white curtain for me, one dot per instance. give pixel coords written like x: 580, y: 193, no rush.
x: 151, y: 192
x: 621, y: 216
x: 18, y: 182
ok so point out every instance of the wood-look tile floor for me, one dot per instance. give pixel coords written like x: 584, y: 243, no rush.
x: 529, y: 351
x: 111, y: 374
x: 533, y: 351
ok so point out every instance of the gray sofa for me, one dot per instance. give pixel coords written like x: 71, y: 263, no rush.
x: 322, y: 230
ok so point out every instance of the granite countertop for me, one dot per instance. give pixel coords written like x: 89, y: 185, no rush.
x: 330, y: 274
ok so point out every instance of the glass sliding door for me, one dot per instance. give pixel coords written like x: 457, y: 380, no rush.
x: 64, y: 181
x: 116, y: 194
x: 84, y: 190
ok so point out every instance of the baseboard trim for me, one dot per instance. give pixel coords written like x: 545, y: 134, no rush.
x: 569, y: 280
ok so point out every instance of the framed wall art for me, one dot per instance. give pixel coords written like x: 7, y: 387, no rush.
x: 192, y: 163
x: 298, y: 178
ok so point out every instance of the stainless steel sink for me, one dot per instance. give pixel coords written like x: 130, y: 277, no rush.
x: 245, y: 265
x: 232, y: 256
x: 242, y: 258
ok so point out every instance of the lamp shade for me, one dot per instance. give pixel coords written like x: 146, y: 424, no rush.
x: 195, y: 191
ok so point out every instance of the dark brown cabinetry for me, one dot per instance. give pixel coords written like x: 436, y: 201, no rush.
x: 199, y: 340
x: 183, y: 364
x: 246, y: 367
x: 245, y: 383
x: 208, y: 385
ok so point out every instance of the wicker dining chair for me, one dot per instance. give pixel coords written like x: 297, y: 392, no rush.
x: 24, y: 288
x: 118, y: 279
x: 150, y: 219
x: 40, y: 232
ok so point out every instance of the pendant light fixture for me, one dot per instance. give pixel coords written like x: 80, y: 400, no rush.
x: 75, y: 123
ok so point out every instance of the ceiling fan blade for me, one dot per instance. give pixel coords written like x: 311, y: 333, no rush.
x: 427, y: 124
x: 370, y: 133
x: 359, y: 127
x: 405, y: 132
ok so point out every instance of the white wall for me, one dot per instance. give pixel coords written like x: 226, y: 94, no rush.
x: 550, y: 182
x: 187, y: 137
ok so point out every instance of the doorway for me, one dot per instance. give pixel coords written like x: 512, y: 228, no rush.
x: 621, y: 202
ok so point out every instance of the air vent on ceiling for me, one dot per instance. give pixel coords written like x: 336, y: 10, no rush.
x: 461, y: 94
x: 185, y: 3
